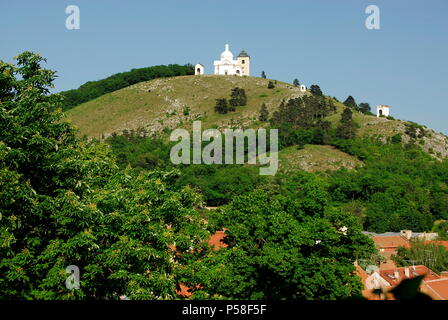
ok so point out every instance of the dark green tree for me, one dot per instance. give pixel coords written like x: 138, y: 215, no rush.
x: 296, y: 82
x: 347, y: 128
x: 271, y: 85
x: 350, y: 102
x: 221, y: 106
x: 264, y: 113
x: 364, y: 107
x: 315, y: 90
x: 282, y: 247
x: 238, y: 97
x: 263, y: 74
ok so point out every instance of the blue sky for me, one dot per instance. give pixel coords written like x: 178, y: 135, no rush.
x: 324, y: 42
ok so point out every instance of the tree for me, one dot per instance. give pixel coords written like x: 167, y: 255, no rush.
x: 296, y: 82
x: 271, y: 85
x: 442, y: 230
x: 315, y: 90
x: 221, y: 106
x: 264, y: 113
x: 263, y: 74
x: 350, y: 102
x: 283, y: 248
x: 364, y: 107
x: 432, y: 255
x: 65, y: 202
x: 238, y: 97
x: 346, y: 128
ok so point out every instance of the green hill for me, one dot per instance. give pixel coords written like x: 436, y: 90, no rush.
x: 167, y: 103
x: 160, y: 103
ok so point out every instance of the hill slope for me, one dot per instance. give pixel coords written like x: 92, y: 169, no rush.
x: 168, y: 103
x: 160, y: 103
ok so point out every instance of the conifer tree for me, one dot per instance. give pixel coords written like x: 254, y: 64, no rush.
x: 264, y: 113
x: 315, y: 90
x: 221, y: 106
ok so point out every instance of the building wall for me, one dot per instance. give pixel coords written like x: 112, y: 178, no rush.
x: 198, y: 69
x: 245, y: 67
x: 231, y: 68
x: 382, y: 110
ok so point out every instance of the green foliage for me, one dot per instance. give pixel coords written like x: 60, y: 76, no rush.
x: 315, y: 90
x: 296, y: 82
x: 137, y: 150
x: 350, y: 102
x: 222, y: 107
x: 283, y: 247
x: 433, y: 256
x: 263, y: 74
x: 93, y: 89
x: 401, y: 187
x: 396, y: 138
x: 264, y: 113
x: 347, y: 127
x: 271, y: 85
x: 238, y: 97
x: 364, y: 107
x: 442, y: 230
x: 414, y: 130
x: 300, y: 120
x: 65, y: 202
x: 219, y: 184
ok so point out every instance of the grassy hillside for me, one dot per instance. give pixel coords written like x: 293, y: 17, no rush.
x: 160, y: 103
x: 168, y: 103
x: 314, y: 158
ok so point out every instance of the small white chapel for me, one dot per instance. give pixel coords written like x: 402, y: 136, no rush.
x: 227, y: 65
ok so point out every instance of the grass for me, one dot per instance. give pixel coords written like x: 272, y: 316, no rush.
x: 160, y: 103
x: 314, y: 158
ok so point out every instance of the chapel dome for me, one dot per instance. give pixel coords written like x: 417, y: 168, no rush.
x: 226, y: 54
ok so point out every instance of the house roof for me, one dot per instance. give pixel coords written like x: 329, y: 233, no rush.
x: 391, y: 242
x: 438, y: 289
x: 243, y: 54
x: 437, y: 242
x: 414, y: 271
x: 362, y: 274
x: 215, y: 240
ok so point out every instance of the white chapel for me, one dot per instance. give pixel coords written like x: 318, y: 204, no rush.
x: 227, y: 65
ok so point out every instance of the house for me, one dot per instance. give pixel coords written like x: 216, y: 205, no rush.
x: 434, y: 285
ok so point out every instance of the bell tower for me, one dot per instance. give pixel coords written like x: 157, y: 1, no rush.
x: 244, y: 62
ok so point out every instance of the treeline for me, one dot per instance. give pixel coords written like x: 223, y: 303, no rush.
x: 93, y: 89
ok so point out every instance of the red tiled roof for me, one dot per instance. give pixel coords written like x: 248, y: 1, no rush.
x: 391, y: 242
x: 215, y: 240
x: 420, y: 270
x: 437, y: 289
x: 437, y: 242
x: 362, y: 274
